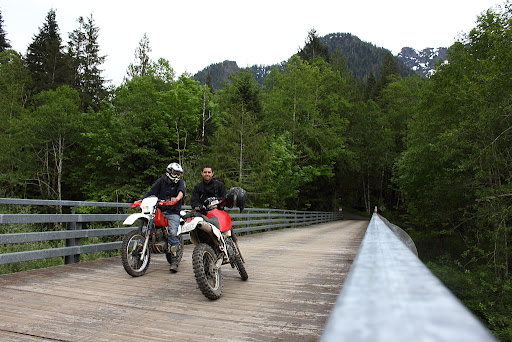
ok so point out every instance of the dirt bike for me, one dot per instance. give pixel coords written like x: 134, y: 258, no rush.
x: 215, y: 243
x: 150, y: 237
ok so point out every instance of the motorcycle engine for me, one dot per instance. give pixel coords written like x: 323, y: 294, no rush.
x: 160, y: 243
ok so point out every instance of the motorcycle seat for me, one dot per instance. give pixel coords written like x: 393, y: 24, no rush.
x: 213, y: 220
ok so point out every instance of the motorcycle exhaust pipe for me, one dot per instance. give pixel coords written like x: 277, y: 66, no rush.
x: 205, y: 226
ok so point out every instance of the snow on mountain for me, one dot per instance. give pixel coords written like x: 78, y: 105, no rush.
x: 423, y: 61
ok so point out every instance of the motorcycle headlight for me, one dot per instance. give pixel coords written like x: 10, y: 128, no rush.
x: 145, y: 209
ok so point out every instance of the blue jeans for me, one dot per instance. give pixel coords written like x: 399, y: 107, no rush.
x: 172, y: 228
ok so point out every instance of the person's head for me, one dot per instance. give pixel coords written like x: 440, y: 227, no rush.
x: 207, y: 173
x: 174, y: 171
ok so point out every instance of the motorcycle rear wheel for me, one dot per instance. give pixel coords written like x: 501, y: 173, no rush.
x: 131, y: 250
x: 236, y: 259
x: 208, y: 276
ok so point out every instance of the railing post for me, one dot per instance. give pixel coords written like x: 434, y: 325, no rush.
x: 75, y: 258
x: 248, y: 225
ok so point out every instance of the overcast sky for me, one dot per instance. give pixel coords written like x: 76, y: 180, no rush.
x: 194, y: 34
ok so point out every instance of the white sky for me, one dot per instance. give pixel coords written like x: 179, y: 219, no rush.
x: 196, y: 33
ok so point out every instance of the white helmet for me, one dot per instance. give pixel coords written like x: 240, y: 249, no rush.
x: 174, y: 172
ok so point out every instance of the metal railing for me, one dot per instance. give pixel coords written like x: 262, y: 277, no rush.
x: 252, y: 219
x: 390, y: 295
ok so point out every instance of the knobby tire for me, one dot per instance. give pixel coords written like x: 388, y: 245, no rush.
x: 208, y: 278
x: 131, y: 249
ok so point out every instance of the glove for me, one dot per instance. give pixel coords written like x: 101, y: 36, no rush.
x: 135, y: 204
x: 170, y: 202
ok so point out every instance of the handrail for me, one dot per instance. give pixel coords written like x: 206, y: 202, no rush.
x: 250, y: 220
x: 390, y: 295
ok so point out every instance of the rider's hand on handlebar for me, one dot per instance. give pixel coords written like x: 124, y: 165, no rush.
x: 173, y: 201
x: 135, y: 204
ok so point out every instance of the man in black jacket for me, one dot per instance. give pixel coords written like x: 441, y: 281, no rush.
x: 209, y: 187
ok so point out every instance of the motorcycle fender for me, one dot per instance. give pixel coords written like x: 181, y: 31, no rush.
x: 134, y: 217
x: 189, y: 226
x: 216, y: 232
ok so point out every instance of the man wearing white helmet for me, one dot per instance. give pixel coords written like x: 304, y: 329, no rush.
x: 171, y: 187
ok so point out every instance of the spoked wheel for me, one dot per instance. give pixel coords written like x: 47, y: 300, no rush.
x: 131, y: 251
x: 208, y: 275
x: 236, y: 259
x: 180, y: 252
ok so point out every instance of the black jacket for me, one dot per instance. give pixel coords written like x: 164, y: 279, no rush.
x: 165, y: 191
x: 203, y: 191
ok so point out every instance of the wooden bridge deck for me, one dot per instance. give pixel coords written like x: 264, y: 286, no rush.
x: 295, y: 276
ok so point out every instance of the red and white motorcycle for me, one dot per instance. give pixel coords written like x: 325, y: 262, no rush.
x: 215, y: 242
x: 150, y: 237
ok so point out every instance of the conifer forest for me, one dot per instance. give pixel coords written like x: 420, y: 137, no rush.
x: 433, y: 154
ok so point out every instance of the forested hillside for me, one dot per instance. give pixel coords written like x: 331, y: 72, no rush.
x: 363, y: 60
x: 432, y: 153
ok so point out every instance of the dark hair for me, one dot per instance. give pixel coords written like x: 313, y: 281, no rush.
x: 207, y: 166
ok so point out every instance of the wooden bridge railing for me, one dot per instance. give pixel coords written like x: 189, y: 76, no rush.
x: 251, y: 219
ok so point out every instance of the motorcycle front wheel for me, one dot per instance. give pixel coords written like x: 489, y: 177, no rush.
x: 208, y: 276
x: 236, y: 259
x: 131, y: 251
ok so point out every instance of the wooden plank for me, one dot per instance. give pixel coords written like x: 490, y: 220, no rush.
x: 295, y: 276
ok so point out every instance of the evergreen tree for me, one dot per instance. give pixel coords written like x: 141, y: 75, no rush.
x: 48, y: 65
x: 314, y: 48
x: 388, y: 73
x: 83, y: 48
x: 142, y: 63
x: 369, y: 87
x: 4, y: 42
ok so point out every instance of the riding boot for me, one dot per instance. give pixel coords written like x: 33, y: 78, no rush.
x: 174, y: 258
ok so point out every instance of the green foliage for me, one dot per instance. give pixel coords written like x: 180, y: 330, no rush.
x: 15, y: 81
x: 455, y: 173
x: 304, y: 103
x: 151, y: 123
x: 489, y: 298
x: 239, y: 141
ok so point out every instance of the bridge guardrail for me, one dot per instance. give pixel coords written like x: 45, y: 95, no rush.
x: 390, y: 295
x: 252, y: 219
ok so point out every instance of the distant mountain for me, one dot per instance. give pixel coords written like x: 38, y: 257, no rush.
x: 216, y: 74
x: 422, y: 61
x: 362, y: 59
